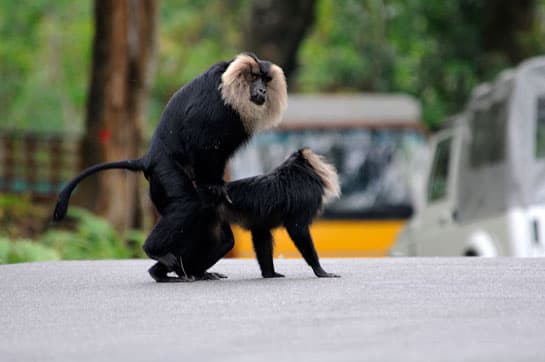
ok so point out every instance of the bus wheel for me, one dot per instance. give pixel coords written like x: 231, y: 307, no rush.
x: 471, y: 252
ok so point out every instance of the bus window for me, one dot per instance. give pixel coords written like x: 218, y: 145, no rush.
x: 376, y: 166
x: 378, y: 146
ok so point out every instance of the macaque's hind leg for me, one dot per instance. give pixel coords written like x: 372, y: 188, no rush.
x: 171, y: 230
x: 303, y: 241
x: 263, y: 247
x: 209, y: 252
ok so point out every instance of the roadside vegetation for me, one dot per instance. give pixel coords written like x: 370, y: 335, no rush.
x: 27, y: 234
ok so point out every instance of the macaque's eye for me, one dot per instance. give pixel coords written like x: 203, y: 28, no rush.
x: 267, y: 78
x: 254, y: 76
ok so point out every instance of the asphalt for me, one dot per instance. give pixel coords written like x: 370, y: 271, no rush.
x: 392, y: 309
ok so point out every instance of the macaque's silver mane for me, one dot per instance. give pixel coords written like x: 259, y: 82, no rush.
x: 235, y: 91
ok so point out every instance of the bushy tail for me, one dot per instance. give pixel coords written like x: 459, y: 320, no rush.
x: 64, y: 195
x: 326, y: 172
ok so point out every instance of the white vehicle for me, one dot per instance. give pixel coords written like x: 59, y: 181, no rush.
x: 485, y: 191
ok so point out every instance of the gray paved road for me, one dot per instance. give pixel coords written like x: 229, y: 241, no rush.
x: 380, y: 310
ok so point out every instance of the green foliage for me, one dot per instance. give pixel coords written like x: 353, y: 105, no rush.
x: 24, y: 250
x: 441, y: 42
x: 347, y: 51
x: 5, y: 246
x: 20, y: 218
x: 45, y: 57
x: 193, y: 35
x: 44, y: 63
x: 431, y: 49
x: 91, y: 237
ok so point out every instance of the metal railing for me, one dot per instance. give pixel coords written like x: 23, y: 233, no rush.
x: 37, y: 164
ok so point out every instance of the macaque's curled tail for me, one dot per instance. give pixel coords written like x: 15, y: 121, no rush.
x: 326, y: 172
x: 64, y: 196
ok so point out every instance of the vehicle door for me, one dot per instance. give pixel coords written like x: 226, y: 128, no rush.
x: 436, y: 232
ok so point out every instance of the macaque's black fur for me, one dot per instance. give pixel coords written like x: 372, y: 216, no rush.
x: 199, y: 130
x: 292, y: 195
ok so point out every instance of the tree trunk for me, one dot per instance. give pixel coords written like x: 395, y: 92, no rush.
x: 506, y: 24
x: 123, y: 54
x: 277, y: 28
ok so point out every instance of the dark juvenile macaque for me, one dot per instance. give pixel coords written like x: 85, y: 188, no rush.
x: 201, y: 127
x: 292, y: 195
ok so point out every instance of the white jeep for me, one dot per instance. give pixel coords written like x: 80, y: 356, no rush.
x: 485, y: 190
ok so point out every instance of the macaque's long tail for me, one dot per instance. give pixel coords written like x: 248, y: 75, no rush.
x: 64, y: 196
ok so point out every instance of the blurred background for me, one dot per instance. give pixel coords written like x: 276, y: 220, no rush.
x: 370, y: 83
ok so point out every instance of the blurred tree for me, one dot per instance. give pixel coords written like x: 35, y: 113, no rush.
x: 44, y: 58
x: 434, y: 50
x: 348, y: 49
x: 194, y: 34
x: 277, y: 28
x: 468, y: 42
x: 508, y: 28
x: 123, y: 54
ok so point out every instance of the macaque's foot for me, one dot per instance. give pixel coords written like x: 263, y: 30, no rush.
x: 320, y: 273
x: 219, y: 275
x: 159, y: 272
x: 272, y: 275
x: 186, y: 278
x: 329, y: 275
x: 212, y: 276
x: 166, y: 279
x: 169, y: 279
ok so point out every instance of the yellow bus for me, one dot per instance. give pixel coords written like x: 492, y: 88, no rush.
x: 378, y: 145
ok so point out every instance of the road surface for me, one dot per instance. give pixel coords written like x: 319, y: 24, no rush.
x: 394, y: 309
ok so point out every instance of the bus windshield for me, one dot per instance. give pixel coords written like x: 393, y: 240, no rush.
x: 377, y: 168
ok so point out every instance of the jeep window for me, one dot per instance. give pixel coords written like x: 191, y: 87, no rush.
x: 437, y: 186
x: 488, y: 131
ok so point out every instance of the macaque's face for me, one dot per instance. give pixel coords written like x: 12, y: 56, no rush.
x: 256, y: 89
x: 258, y: 76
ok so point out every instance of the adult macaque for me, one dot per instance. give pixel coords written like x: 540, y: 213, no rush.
x: 201, y: 127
